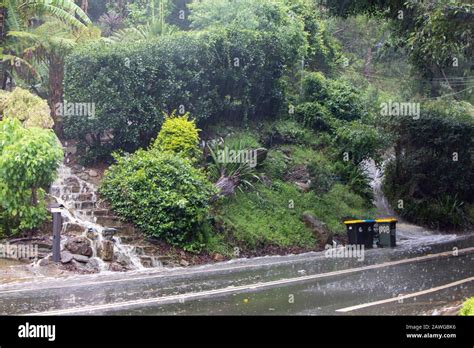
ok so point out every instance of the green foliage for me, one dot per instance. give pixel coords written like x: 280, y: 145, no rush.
x: 433, y: 169
x: 133, y: 84
x: 232, y: 159
x: 28, y: 162
x: 322, y: 175
x: 265, y: 217
x: 179, y: 135
x: 160, y: 193
x: 358, y: 140
x: 467, y: 307
x: 286, y: 131
x: 315, y: 87
x: 275, y: 165
x: 31, y: 110
x: 342, y: 99
x: 313, y: 115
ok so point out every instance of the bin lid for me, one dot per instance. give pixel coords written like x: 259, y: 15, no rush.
x: 349, y: 222
x: 386, y: 220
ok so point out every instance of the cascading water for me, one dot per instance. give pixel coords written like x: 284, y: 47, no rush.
x: 68, y: 189
x: 407, y: 234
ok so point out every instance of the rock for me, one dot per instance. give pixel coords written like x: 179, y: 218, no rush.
x: 72, y: 227
x: 303, y: 186
x: 80, y: 258
x: 93, y: 173
x: 93, y: 265
x: 165, y: 260
x: 106, y: 250
x: 322, y: 233
x: 183, y: 263
x: 92, y: 234
x: 83, y: 176
x: 108, y: 233
x: 117, y: 267
x: 218, y: 257
x: 45, y: 262
x: 146, y: 261
x: 80, y: 246
x: 66, y: 257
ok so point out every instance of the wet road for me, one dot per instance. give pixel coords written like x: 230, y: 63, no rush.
x: 418, y: 276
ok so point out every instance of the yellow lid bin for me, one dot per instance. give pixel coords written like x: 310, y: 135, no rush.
x: 366, y: 232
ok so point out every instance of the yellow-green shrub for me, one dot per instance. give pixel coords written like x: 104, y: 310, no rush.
x: 30, y: 109
x: 179, y: 135
x: 468, y: 307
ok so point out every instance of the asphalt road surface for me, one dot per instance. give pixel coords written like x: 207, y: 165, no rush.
x: 424, y: 273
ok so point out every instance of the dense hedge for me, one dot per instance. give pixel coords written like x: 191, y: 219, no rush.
x: 212, y: 74
x: 433, y: 171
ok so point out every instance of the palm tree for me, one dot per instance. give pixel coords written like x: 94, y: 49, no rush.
x: 44, y: 31
x: 49, y: 44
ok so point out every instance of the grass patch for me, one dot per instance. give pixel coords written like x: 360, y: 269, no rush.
x: 272, y: 215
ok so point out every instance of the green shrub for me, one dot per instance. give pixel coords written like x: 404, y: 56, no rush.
x: 160, y: 193
x: 179, y: 135
x: 29, y: 158
x: 357, y: 140
x: 30, y: 109
x: 341, y: 98
x: 433, y: 170
x: 314, y: 116
x: 315, y: 87
x: 287, y: 131
x: 468, y: 307
x: 132, y: 85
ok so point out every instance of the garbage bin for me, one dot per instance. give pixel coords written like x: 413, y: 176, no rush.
x: 360, y: 232
x: 385, y: 232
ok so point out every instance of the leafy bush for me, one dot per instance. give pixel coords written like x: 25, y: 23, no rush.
x: 315, y: 87
x: 160, y: 193
x: 358, y: 140
x: 28, y: 162
x: 232, y: 75
x: 468, y: 307
x: 433, y: 170
x: 179, y: 135
x: 31, y: 110
x: 287, y: 131
x: 314, y: 116
x: 342, y: 99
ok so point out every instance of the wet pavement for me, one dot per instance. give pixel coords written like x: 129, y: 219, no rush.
x: 306, y: 284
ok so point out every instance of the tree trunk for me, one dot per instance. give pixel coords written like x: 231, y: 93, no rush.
x: 85, y: 5
x: 56, y: 76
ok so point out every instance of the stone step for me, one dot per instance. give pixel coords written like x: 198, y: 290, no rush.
x: 79, y: 197
x: 109, y: 221
x: 85, y: 205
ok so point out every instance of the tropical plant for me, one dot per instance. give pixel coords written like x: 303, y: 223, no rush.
x: 49, y: 43
x: 233, y: 165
